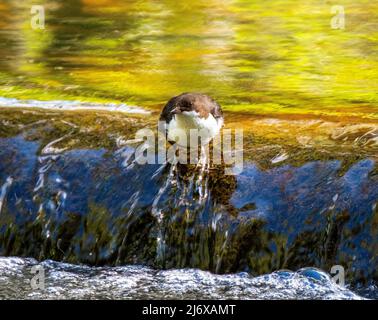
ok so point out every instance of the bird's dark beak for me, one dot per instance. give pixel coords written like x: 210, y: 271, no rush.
x: 176, y: 111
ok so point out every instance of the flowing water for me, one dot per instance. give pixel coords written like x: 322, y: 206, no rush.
x: 73, y: 199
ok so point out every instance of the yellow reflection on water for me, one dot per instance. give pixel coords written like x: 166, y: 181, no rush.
x: 271, y: 58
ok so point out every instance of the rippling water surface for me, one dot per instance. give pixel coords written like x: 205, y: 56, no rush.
x: 283, y: 57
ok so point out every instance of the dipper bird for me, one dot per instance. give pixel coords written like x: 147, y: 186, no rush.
x: 192, y: 111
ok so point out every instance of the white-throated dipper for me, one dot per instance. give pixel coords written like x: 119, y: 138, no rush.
x: 192, y: 111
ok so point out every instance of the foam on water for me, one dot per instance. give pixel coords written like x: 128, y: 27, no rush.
x: 67, y: 281
x: 70, y: 105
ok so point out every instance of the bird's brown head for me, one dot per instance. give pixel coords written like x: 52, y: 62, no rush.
x: 202, y: 104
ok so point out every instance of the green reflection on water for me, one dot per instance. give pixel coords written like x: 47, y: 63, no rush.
x: 270, y: 58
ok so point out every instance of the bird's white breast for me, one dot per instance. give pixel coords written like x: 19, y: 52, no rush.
x: 208, y: 127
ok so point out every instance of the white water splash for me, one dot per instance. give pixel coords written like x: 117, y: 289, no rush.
x: 4, y: 190
x: 158, y: 214
x: 280, y: 157
x: 70, y: 105
x: 49, y: 149
x: 68, y: 281
x: 202, y: 181
x: 220, y: 254
x: 50, y: 155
